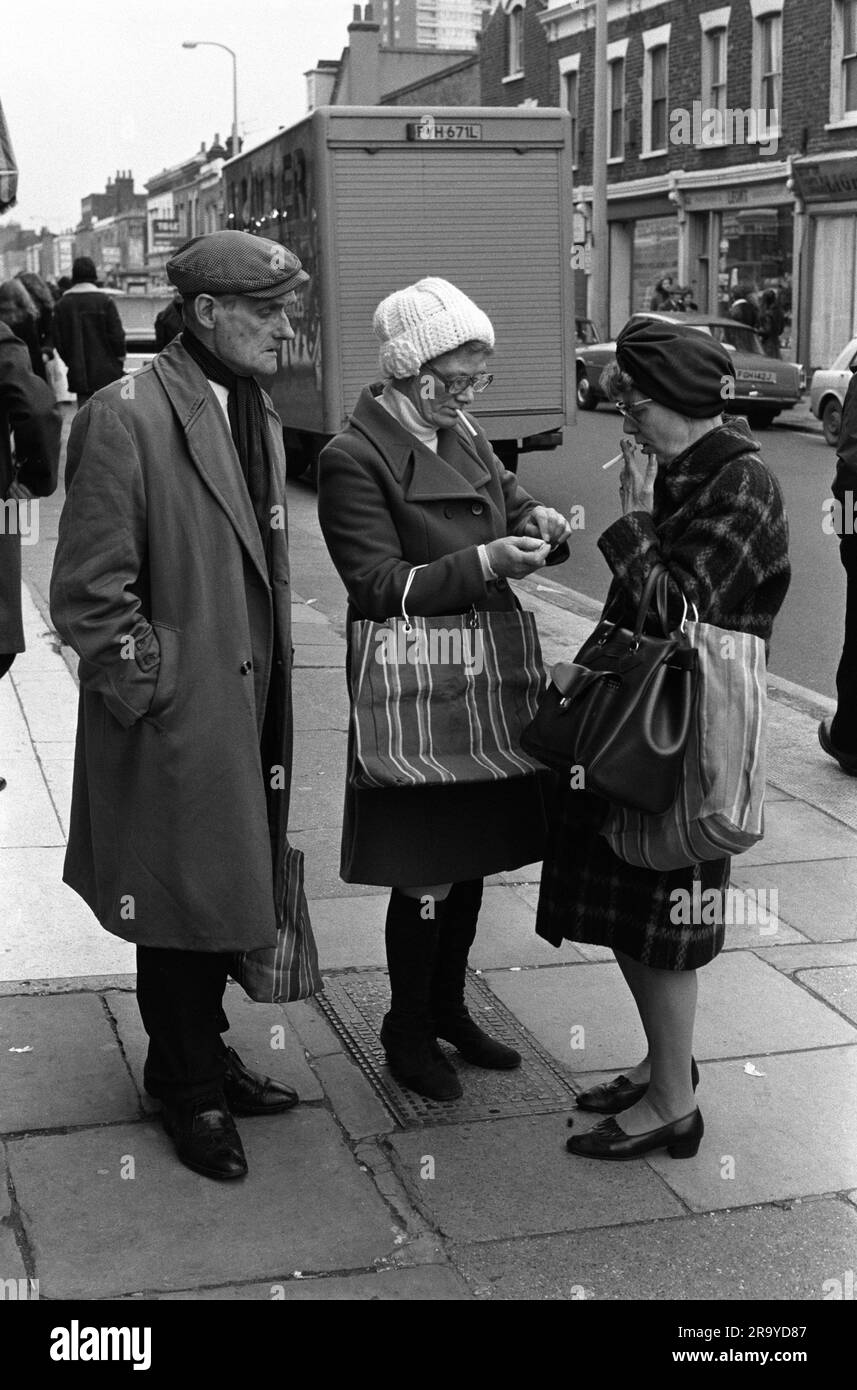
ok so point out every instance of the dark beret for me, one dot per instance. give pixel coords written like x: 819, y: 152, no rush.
x: 678, y: 366
x: 235, y: 263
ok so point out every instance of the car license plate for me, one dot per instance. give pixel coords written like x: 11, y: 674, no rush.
x: 746, y: 375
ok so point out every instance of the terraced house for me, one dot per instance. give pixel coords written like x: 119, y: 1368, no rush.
x: 731, y: 151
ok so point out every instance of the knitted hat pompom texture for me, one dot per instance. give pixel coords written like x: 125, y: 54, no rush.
x: 424, y: 321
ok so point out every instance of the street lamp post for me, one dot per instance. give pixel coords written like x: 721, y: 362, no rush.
x: 599, y: 307
x: 209, y: 43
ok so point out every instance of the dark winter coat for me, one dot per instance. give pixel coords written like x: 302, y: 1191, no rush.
x: 90, y: 338
x: 29, y: 411
x: 846, y: 447
x: 386, y: 503
x: 719, y: 526
x: 169, y: 841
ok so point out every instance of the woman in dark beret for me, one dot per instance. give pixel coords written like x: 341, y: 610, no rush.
x: 696, y: 497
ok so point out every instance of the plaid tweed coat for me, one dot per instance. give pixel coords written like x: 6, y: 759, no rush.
x: 718, y: 524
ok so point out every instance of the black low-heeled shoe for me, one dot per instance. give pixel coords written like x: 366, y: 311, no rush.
x: 620, y: 1093
x: 681, y: 1139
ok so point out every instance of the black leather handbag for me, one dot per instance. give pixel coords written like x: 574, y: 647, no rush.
x: 622, y: 710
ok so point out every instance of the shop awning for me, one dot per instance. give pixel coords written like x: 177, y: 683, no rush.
x: 8, y: 167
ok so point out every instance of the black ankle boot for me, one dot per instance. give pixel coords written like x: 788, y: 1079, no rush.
x: 457, y: 918
x: 406, y: 1033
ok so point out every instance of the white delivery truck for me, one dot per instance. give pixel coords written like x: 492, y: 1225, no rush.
x: 373, y: 198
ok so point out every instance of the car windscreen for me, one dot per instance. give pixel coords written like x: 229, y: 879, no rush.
x: 739, y: 336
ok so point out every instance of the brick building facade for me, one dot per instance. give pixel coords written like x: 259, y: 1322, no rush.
x: 732, y: 136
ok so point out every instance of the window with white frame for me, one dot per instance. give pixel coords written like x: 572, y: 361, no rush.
x: 715, y: 44
x: 569, y: 97
x: 616, y: 53
x: 655, y: 94
x: 767, y: 63
x: 843, y: 62
x: 515, y: 41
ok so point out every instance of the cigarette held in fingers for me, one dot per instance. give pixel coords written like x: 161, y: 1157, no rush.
x: 465, y: 422
x: 610, y: 462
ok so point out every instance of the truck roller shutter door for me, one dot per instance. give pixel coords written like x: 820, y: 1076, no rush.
x: 486, y: 219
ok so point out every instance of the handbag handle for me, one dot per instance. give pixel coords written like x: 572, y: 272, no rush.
x: 407, y: 589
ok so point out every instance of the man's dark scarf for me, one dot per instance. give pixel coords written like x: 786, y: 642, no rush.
x: 248, y: 422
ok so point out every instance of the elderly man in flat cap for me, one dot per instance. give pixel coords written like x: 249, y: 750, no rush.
x: 171, y: 582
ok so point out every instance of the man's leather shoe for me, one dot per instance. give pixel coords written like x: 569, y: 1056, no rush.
x: 847, y: 761
x: 476, y: 1046
x: 205, y: 1137
x: 681, y: 1139
x: 620, y: 1093
x: 249, y: 1093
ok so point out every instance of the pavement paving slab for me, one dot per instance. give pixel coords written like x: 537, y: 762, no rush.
x: 46, y: 930
x: 11, y: 1261
x: 757, y: 1253
x: 50, y: 700
x: 796, y: 833
x: 353, y: 1100
x: 514, y: 1178
x: 791, y: 1132
x: 818, y: 898
x: 305, y: 1205
x: 792, y: 958
x: 321, y: 848
x: 426, y: 1283
x: 331, y: 656
x: 254, y: 1029
x: 319, y: 701
x: 746, y: 1009
x: 318, y: 781
x: 28, y: 816
x: 60, y: 1065
x: 837, y: 984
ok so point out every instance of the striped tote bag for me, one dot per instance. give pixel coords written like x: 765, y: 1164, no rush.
x: 719, y: 809
x: 440, y: 700
x: 288, y: 971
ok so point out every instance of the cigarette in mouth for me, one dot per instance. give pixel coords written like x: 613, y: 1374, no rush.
x: 610, y: 462
x: 464, y: 420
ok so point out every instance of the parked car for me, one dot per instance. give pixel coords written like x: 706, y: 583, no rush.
x: 138, y: 313
x: 827, y: 391
x: 763, y: 385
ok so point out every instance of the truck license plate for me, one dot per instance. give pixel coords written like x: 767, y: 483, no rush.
x: 430, y: 129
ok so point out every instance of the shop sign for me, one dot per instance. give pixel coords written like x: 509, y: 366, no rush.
x: 826, y: 180
x: 740, y: 195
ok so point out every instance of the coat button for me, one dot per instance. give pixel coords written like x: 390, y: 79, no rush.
x: 246, y: 667
x: 447, y: 511
x: 477, y: 508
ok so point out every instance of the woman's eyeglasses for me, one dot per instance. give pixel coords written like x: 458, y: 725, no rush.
x: 456, y: 385
x: 630, y: 410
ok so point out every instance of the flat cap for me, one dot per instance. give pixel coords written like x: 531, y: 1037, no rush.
x: 235, y: 263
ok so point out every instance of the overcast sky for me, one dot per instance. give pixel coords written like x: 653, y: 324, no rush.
x: 92, y: 86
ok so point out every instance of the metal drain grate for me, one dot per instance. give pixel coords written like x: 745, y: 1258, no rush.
x: 356, y: 1004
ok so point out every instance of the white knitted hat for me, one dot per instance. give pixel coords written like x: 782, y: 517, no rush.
x: 424, y: 321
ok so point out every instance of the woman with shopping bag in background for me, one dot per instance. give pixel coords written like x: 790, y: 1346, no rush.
x: 421, y: 520
x: 697, y: 500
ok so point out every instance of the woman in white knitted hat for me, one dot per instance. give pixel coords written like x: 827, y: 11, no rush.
x: 413, y: 481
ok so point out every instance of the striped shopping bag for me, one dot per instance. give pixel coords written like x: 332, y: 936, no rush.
x: 440, y: 700
x: 719, y: 809
x: 288, y: 971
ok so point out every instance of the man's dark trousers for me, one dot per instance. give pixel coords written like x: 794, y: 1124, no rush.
x: 180, y: 995
x: 843, y: 731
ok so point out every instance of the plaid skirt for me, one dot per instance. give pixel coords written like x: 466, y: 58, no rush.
x: 588, y: 894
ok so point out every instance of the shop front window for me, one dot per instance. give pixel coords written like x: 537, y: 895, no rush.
x: 655, y: 256
x: 756, y: 254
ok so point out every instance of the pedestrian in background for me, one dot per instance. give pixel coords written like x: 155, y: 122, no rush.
x: 19, y: 312
x: 88, y: 333
x: 771, y: 322
x: 702, y: 503
x: 29, y: 417
x: 743, y: 308
x: 411, y: 494
x: 838, y: 736
x: 40, y: 293
x: 171, y: 582
x: 663, y: 298
x: 168, y: 323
